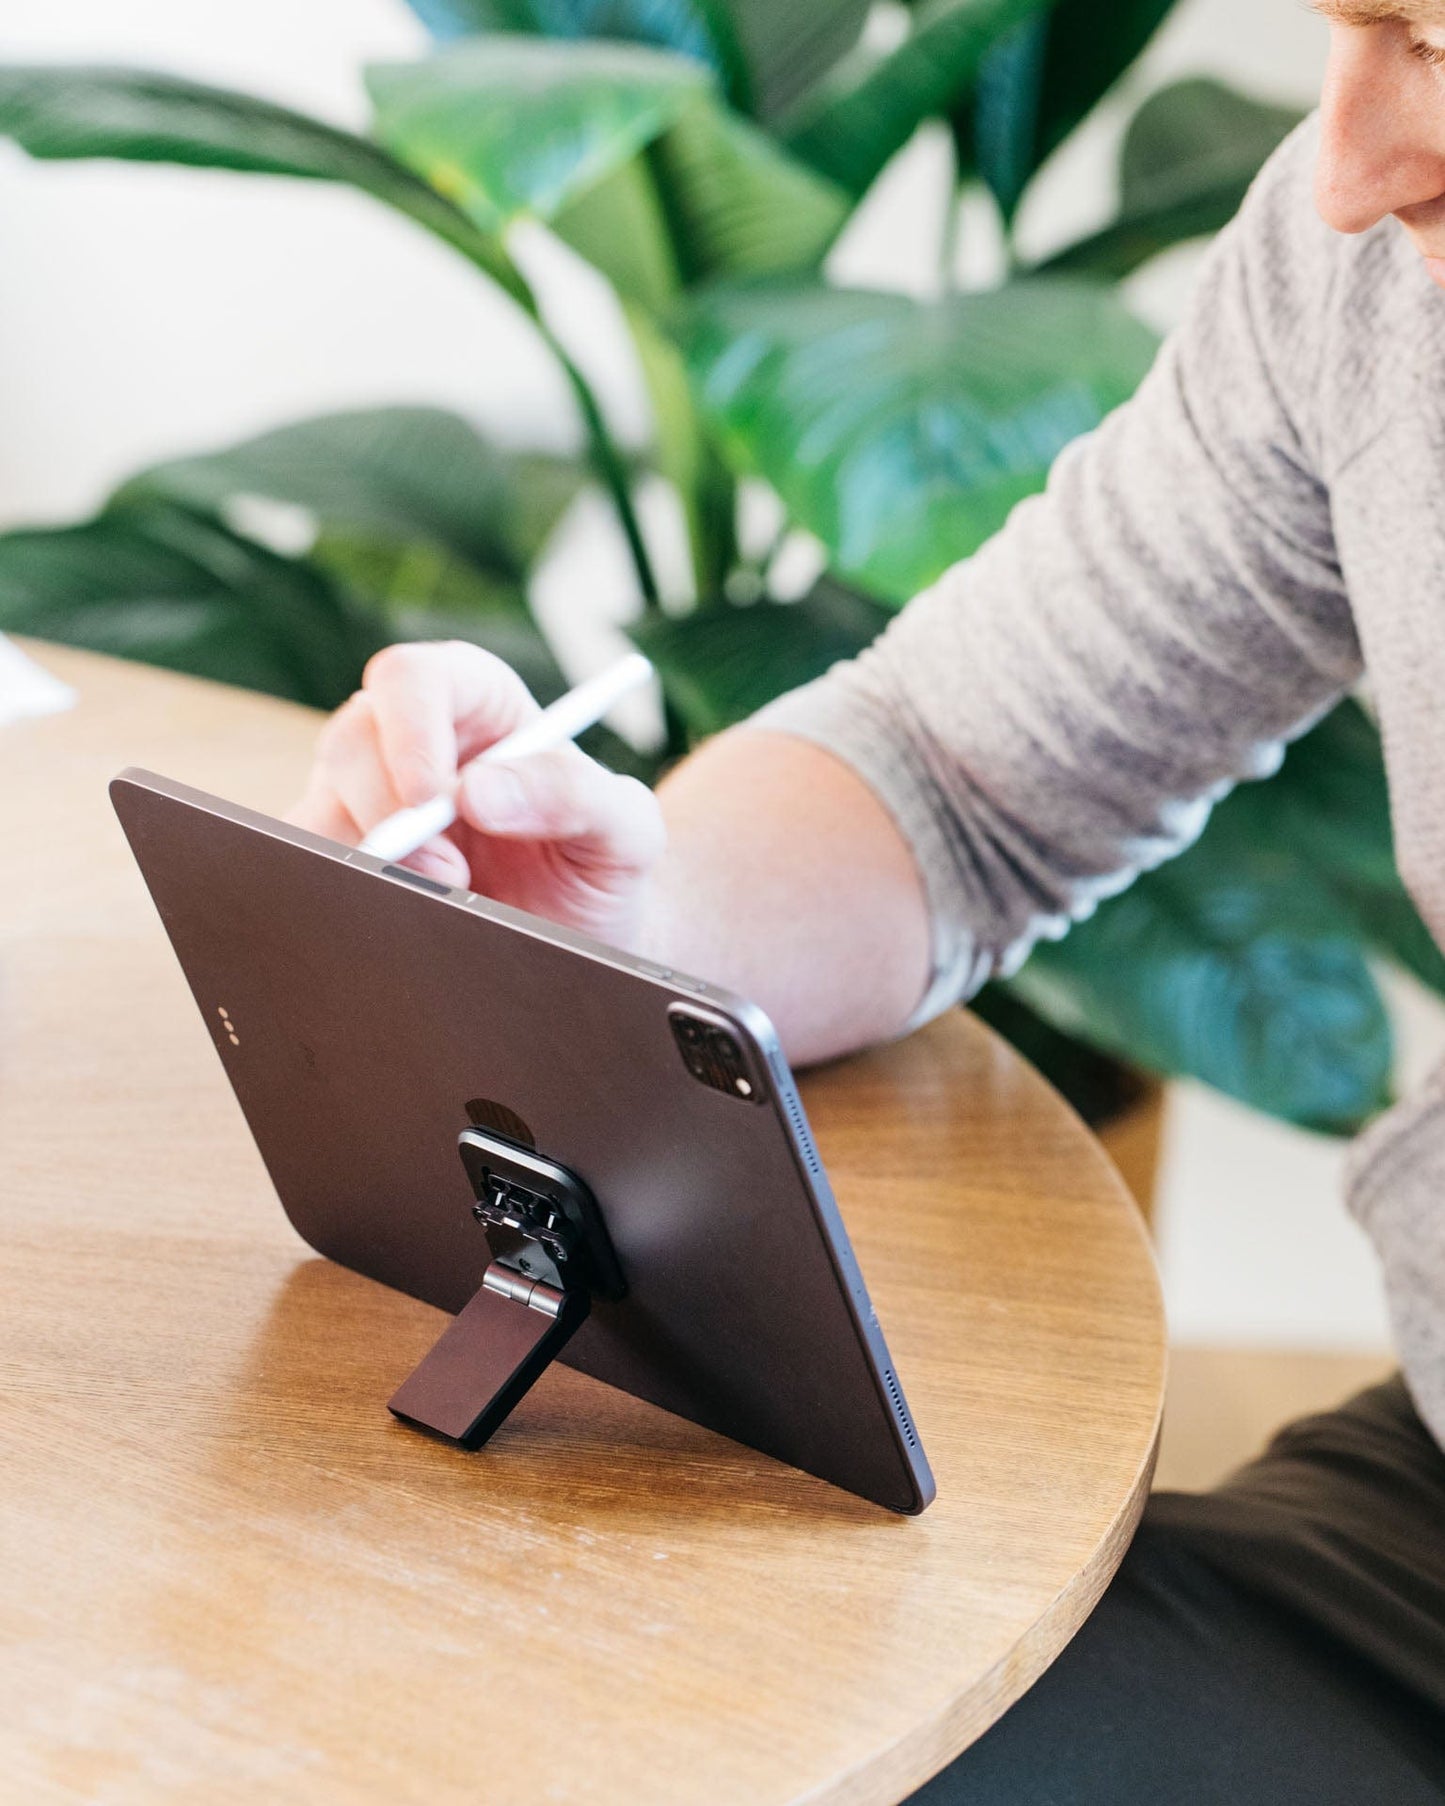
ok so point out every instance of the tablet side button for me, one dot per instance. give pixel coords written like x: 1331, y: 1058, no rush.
x: 415, y: 878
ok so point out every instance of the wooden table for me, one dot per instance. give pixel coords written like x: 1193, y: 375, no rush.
x: 227, y: 1575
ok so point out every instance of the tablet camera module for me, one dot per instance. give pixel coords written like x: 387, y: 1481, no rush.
x: 714, y: 1056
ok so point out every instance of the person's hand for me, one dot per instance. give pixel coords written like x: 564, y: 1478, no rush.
x: 554, y: 833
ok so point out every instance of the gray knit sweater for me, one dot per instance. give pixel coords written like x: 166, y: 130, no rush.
x: 1204, y: 577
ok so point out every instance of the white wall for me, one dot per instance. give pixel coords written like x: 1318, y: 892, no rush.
x: 1255, y: 1246
x: 145, y: 311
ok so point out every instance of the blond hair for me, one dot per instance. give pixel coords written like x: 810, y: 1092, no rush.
x: 1381, y: 12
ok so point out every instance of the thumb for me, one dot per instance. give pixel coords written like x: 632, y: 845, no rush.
x: 565, y: 796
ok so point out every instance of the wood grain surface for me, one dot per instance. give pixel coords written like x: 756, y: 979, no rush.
x: 226, y: 1574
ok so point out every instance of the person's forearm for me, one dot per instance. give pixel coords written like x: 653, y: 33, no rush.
x: 787, y: 881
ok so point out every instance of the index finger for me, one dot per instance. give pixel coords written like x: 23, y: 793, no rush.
x: 438, y: 704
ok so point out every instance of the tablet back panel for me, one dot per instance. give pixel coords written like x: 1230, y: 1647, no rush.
x: 370, y: 1013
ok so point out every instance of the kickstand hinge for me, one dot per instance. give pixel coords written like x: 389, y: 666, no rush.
x: 551, y: 1257
x: 535, y: 1294
x: 490, y: 1356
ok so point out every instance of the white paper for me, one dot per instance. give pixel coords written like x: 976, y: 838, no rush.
x: 26, y: 689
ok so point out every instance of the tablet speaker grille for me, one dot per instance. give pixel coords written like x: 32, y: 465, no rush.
x: 800, y: 1129
x: 891, y: 1381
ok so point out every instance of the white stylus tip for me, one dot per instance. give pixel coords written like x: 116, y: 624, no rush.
x: 401, y: 834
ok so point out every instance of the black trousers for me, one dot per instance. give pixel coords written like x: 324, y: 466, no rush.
x: 1276, y: 1642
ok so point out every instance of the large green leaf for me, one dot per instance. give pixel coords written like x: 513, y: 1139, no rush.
x: 713, y: 196
x: 1243, y: 963
x: 620, y: 228
x: 508, y: 124
x: 1234, y: 965
x: 401, y: 577
x: 685, y: 454
x: 737, y: 205
x: 680, y: 25
x: 1189, y: 156
x: 719, y: 665
x: 765, y: 53
x: 76, y: 111
x: 700, y: 29
x: 1043, y: 78
x: 790, y: 45
x: 900, y: 434
x: 403, y: 481
x: 870, y: 106
x: 162, y: 584
x: 1330, y: 802
x: 995, y: 127
x: 176, y: 589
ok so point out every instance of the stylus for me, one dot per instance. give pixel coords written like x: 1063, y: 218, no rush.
x: 399, y: 835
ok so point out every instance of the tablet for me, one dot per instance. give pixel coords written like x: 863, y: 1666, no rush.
x: 396, y: 1045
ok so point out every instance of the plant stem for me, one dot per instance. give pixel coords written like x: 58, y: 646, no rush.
x: 712, y: 518
x: 952, y: 234
x: 606, y: 459
x: 952, y: 216
x: 685, y: 456
x: 765, y: 564
x: 610, y: 467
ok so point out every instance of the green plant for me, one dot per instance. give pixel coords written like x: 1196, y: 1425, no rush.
x: 704, y: 155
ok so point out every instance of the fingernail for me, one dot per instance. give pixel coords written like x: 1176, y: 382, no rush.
x: 497, y: 798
